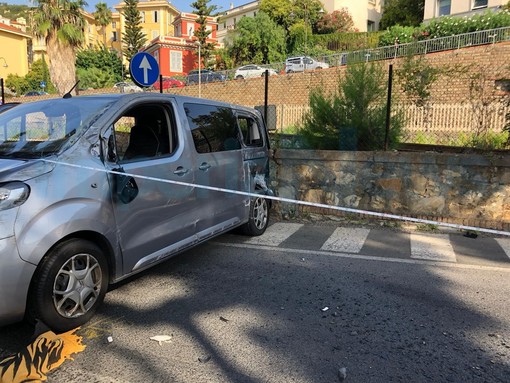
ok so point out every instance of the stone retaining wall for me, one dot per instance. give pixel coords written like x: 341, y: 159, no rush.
x: 467, y: 189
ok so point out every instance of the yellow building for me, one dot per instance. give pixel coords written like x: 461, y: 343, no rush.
x: 14, y: 52
x: 19, y: 49
x: 157, y: 20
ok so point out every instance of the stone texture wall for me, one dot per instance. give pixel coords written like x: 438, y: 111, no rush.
x: 458, y: 188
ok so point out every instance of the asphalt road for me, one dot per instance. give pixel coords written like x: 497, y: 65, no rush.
x: 285, y: 311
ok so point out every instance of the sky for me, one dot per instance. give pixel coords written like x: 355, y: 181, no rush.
x: 181, y: 5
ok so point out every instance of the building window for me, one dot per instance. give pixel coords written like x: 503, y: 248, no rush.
x: 142, y: 16
x: 114, y: 24
x: 480, y: 4
x: 155, y: 16
x: 176, y: 61
x: 191, y: 30
x: 444, y: 7
x: 370, y: 26
x: 114, y: 36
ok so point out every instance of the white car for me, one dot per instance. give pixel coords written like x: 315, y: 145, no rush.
x: 302, y: 63
x: 127, y: 87
x: 251, y: 70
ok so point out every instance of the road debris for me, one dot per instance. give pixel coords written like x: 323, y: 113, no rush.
x: 204, y: 359
x: 162, y: 339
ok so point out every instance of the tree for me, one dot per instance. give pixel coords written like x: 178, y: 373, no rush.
x: 286, y: 13
x: 354, y: 117
x: 202, y: 10
x: 257, y: 40
x: 61, y: 24
x: 133, y: 38
x: 337, y: 21
x: 407, y: 13
x: 103, y: 17
x: 32, y: 81
x: 98, y: 67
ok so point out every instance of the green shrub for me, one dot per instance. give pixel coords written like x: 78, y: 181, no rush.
x: 354, y: 117
x: 398, y: 34
x: 450, y: 25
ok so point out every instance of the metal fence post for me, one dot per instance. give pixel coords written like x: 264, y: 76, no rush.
x: 388, y: 108
x: 266, y: 85
x: 2, y: 89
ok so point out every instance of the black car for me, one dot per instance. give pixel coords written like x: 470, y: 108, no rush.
x: 206, y: 75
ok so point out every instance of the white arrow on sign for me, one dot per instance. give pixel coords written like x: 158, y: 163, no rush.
x: 146, y: 66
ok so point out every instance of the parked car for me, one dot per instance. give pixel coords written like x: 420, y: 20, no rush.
x: 169, y: 83
x: 127, y: 87
x: 302, y: 63
x: 251, y: 70
x: 35, y: 93
x: 206, y: 75
x: 94, y: 189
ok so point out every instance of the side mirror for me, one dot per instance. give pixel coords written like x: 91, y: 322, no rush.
x: 126, y: 187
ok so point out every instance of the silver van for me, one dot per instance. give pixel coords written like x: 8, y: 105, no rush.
x: 94, y: 189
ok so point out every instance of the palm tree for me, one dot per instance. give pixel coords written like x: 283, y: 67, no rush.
x: 103, y: 17
x: 61, y: 24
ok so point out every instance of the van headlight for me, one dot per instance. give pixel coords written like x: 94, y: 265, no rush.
x: 13, y: 194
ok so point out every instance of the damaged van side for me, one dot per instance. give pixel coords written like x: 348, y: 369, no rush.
x: 94, y: 189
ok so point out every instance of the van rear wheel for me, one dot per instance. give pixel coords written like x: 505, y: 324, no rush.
x: 259, y: 218
x: 70, y: 285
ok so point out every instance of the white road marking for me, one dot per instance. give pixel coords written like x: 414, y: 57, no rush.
x: 346, y: 240
x: 276, y: 234
x: 300, y: 252
x: 505, y: 245
x: 432, y: 247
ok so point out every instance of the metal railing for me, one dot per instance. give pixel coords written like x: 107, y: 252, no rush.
x: 464, y: 40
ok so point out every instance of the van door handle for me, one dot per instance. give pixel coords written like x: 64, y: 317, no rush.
x: 204, y: 166
x: 181, y: 171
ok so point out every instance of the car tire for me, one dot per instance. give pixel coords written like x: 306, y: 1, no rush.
x: 77, y: 267
x: 258, y: 219
x: 319, y: 67
x: 239, y: 77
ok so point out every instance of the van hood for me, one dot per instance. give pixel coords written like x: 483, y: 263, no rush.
x: 23, y: 170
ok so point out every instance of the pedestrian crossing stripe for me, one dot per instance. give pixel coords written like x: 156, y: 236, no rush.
x: 433, y: 247
x: 505, y: 245
x: 275, y: 234
x: 346, y: 240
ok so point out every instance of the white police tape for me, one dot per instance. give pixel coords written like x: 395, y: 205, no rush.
x: 293, y: 201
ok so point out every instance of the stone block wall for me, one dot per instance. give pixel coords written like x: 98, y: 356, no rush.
x: 467, y: 189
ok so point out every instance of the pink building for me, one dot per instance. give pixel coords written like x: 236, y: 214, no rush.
x: 178, y: 54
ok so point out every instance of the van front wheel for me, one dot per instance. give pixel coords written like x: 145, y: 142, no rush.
x: 70, y: 285
x: 259, y: 218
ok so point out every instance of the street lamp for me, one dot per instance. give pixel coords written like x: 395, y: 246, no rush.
x: 5, y: 62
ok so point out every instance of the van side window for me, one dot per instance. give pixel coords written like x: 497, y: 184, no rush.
x: 145, y: 132
x: 250, y: 131
x: 214, y: 128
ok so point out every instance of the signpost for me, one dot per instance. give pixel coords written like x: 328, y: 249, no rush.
x: 144, y: 69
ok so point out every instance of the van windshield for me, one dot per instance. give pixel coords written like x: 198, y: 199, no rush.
x: 43, y: 128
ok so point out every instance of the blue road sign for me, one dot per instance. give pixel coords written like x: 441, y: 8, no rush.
x: 144, y: 69
x: 43, y: 84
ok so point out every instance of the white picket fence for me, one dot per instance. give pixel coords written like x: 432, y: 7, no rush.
x: 436, y: 119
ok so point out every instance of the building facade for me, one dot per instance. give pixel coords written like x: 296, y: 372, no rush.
x: 366, y: 14
x: 438, y: 8
x: 177, y: 54
x: 15, y: 51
